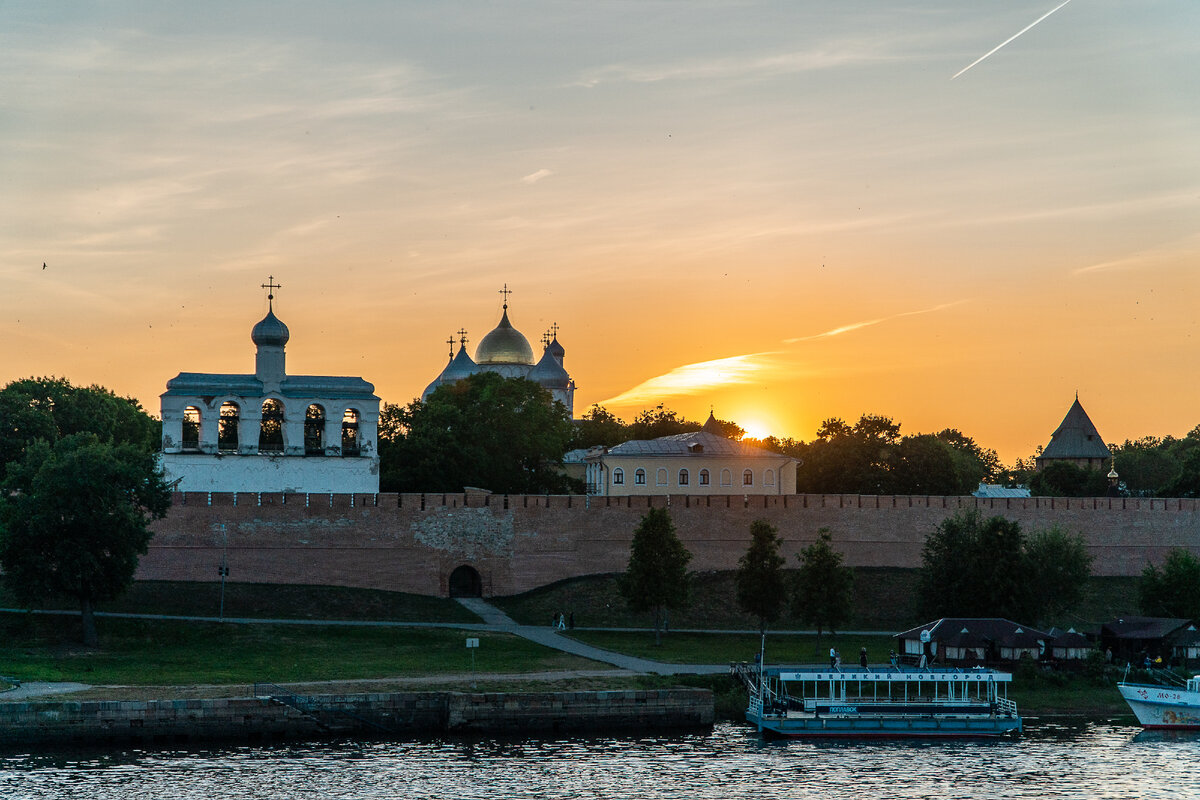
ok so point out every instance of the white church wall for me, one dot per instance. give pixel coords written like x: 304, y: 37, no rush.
x: 198, y: 472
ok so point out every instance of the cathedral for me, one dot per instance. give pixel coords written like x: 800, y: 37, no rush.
x: 506, y: 352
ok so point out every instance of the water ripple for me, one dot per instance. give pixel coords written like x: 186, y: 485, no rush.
x: 1049, y: 761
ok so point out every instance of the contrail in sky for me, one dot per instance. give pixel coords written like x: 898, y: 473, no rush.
x: 853, y: 326
x: 1009, y: 39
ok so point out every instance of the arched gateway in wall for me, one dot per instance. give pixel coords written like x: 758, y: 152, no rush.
x: 465, y: 582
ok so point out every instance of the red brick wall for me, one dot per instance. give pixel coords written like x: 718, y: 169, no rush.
x: 412, y: 542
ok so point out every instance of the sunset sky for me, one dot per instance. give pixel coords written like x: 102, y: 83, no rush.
x: 785, y: 211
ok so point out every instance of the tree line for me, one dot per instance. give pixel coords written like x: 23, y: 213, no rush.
x: 508, y: 436
x: 971, y: 566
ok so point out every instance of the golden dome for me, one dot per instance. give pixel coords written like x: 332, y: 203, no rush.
x: 504, y: 345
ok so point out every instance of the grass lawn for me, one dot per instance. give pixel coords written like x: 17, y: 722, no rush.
x: 719, y: 648
x: 884, y: 600
x: 142, y: 652
x: 274, y: 601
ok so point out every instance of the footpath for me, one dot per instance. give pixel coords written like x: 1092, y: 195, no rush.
x: 497, y: 620
x: 494, y: 620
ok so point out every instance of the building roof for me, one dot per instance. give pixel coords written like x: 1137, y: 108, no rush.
x: 997, y: 491
x: 1076, y: 437
x: 975, y: 631
x: 696, y: 443
x: 1068, y: 638
x: 204, y: 384
x: 1144, y: 627
x: 576, y: 456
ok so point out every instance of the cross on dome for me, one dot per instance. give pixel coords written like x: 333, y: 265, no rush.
x: 506, y: 292
x: 271, y: 286
x: 462, y: 336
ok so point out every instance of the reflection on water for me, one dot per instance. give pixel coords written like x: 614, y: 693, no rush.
x: 1049, y: 760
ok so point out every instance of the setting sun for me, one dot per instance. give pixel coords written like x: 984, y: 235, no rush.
x: 755, y: 429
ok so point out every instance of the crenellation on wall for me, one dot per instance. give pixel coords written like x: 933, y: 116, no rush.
x: 412, y: 542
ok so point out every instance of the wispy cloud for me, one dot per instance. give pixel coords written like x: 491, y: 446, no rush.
x: 534, y: 177
x: 708, y: 376
x: 827, y: 55
x: 854, y: 326
x: 1166, y: 253
x: 698, y: 378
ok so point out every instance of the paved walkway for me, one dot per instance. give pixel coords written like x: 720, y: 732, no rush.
x: 546, y: 636
x: 41, y: 688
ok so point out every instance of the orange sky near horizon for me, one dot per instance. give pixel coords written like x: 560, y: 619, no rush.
x: 784, y: 212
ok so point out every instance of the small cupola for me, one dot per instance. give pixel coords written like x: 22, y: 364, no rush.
x: 269, y: 336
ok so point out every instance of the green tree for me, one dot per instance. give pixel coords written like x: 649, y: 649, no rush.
x: 1063, y: 479
x: 823, y: 595
x: 924, y: 464
x: 761, y: 589
x: 51, y: 408
x: 659, y: 421
x: 656, y: 578
x: 1147, y: 465
x: 1174, y: 590
x: 1021, y: 472
x: 1057, y: 568
x: 975, y: 463
x: 1186, y: 482
x: 74, y: 518
x: 505, y: 435
x: 599, y: 427
x: 786, y: 446
x: 849, y: 459
x: 728, y: 429
x: 973, y: 566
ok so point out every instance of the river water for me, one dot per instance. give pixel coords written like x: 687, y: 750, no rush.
x: 1048, y: 761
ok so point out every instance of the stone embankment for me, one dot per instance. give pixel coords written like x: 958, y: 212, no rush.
x: 394, y: 715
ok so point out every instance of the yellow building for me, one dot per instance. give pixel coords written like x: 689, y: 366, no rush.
x: 697, y: 463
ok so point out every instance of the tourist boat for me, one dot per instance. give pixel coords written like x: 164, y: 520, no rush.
x: 1155, y: 706
x: 888, y: 701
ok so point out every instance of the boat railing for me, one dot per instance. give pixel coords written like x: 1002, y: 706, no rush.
x: 749, y: 674
x: 1166, y: 677
x: 1006, y: 707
